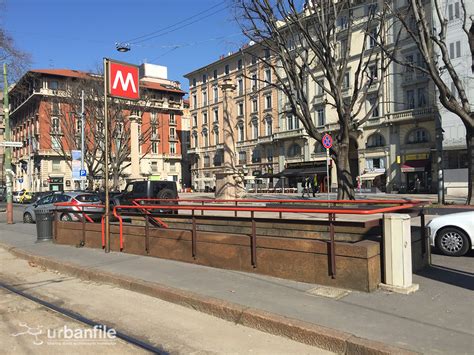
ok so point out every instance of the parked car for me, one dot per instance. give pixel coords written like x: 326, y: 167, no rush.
x: 452, y: 234
x: 16, y: 196
x: 69, y: 213
x: 25, y: 197
x: 148, y: 190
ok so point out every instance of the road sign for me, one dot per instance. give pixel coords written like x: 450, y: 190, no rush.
x: 327, y: 141
x: 83, y: 173
x: 123, y: 80
x: 11, y: 144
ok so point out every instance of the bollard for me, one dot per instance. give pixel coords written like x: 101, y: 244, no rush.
x: 397, y: 254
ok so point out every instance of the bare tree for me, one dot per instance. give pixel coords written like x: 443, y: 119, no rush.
x: 65, y: 116
x: 17, y: 60
x: 330, y: 40
x: 427, y: 25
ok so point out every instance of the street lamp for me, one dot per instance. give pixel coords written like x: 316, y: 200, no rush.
x: 122, y: 47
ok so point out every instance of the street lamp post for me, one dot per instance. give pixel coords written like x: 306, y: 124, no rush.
x: 106, y: 160
x: 8, y: 150
x: 82, y: 140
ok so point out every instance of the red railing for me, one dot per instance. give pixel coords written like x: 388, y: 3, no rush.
x: 397, y: 205
x: 332, y: 209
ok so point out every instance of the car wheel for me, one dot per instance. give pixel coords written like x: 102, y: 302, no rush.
x: 27, y: 218
x: 66, y: 217
x: 452, y: 241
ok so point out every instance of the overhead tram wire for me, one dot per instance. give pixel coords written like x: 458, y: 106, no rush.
x: 178, y: 25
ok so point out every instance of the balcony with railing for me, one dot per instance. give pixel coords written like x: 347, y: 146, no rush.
x: 289, y: 134
x: 265, y: 139
x: 173, y: 138
x: 411, y: 114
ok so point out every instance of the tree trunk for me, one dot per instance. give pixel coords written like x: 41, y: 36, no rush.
x: 345, y: 184
x: 470, y: 166
x: 116, y: 179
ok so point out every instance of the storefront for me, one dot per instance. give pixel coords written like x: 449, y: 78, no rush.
x: 295, y: 173
x: 417, y: 173
x: 372, y: 181
x: 56, y: 184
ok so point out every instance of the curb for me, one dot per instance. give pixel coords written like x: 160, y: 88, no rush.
x: 308, y: 333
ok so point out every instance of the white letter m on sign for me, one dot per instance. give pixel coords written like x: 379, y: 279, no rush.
x: 124, y: 83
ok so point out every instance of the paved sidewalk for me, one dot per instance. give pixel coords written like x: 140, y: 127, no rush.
x: 436, y: 319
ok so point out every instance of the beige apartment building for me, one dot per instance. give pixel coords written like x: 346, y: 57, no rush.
x: 255, y: 106
x: 395, y: 150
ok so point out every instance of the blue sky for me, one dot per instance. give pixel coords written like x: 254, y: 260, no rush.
x: 78, y: 34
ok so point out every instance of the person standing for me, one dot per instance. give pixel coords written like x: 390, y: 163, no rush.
x: 314, y: 185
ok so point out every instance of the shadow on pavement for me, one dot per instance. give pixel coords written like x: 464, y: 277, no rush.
x: 449, y: 275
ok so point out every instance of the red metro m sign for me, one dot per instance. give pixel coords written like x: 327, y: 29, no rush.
x: 123, y: 80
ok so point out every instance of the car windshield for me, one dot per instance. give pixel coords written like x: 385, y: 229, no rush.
x: 87, y: 198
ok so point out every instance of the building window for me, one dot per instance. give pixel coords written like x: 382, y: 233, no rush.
x: 194, y: 81
x: 294, y: 151
x: 239, y: 64
x: 268, y: 101
x: 422, y: 97
x: 226, y: 69
x: 375, y: 140
x: 172, y: 118
x: 204, y: 98
x: 242, y: 157
x: 53, y: 85
x: 195, y: 101
x: 55, y: 142
x: 266, y: 53
x: 375, y: 163
x: 240, y: 128
x: 346, y: 82
x: 172, y: 133
x: 216, y: 94
x: 154, y: 147
x: 195, y: 120
x: 453, y: 11
x: 410, y: 100
x: 320, y: 87
x: 419, y: 135
x: 216, y: 116
x: 240, y: 108
x: 204, y: 118
x: 290, y: 122
x: 216, y: 136
x: 254, y: 82
x: 372, y: 40
x: 254, y: 129
x: 55, y: 126
x: 56, y: 165
x: 172, y: 148
x: 204, y: 78
x: 373, y: 103
x: 254, y: 105
x: 240, y: 86
x: 455, y: 49
x: 320, y: 116
x: 205, y: 137
x: 268, y: 126
x: 195, y: 140
x: 270, y: 155
x: 254, y: 59
x: 373, y: 73
x: 207, y: 161
x: 268, y: 75
x: 256, y: 156
x: 154, y: 167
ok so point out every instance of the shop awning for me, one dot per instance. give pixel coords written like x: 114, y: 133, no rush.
x: 290, y: 172
x: 314, y: 171
x: 414, y: 165
x: 371, y: 175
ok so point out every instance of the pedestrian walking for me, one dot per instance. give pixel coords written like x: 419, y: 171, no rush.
x: 306, y: 186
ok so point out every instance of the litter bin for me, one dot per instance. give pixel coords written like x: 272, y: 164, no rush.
x: 44, y: 225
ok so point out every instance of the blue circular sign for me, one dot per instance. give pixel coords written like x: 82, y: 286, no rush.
x: 327, y: 141
x: 20, y: 180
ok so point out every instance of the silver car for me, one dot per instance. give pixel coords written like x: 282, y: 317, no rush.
x: 66, y: 213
